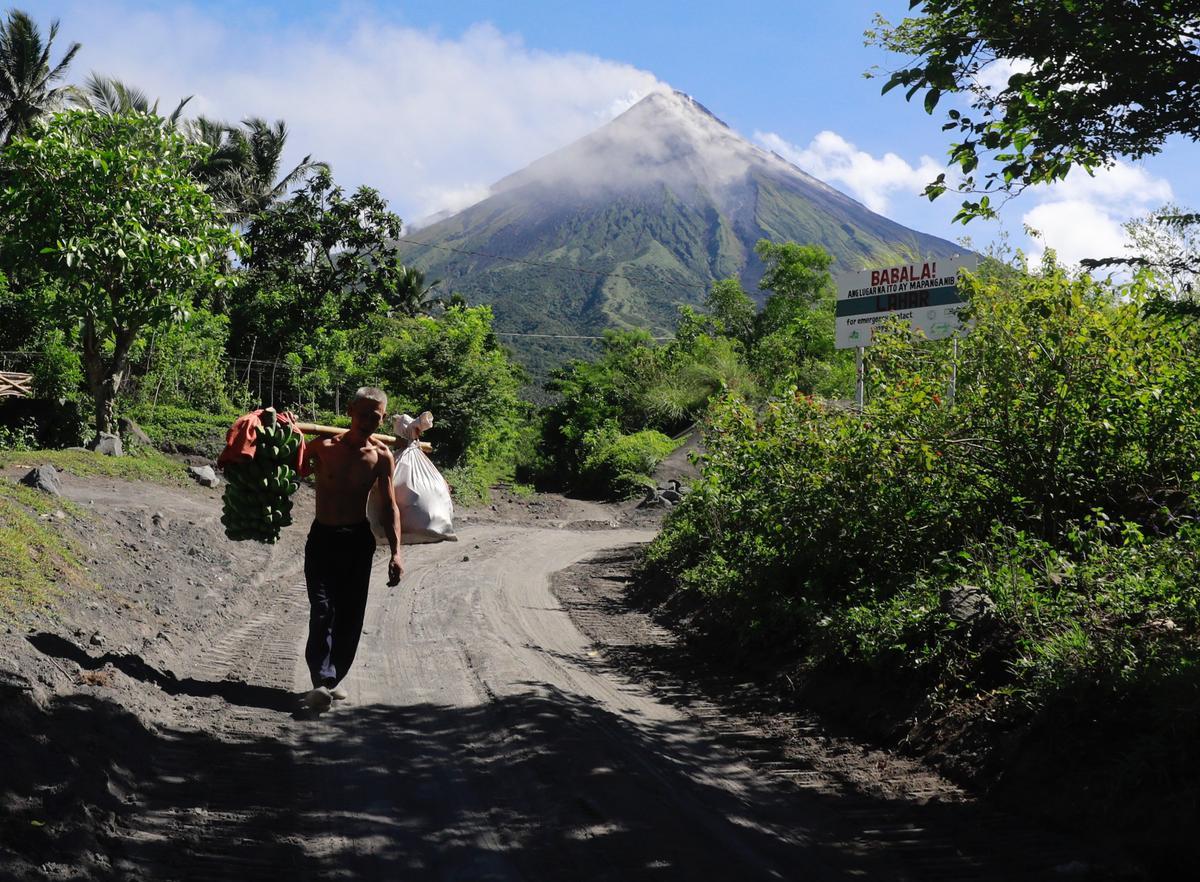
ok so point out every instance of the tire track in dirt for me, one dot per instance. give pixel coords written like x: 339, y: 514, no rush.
x: 227, y: 807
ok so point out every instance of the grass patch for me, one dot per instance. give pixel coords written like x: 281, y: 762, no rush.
x: 468, y: 486
x: 35, y: 559
x: 187, y: 430
x: 139, y: 465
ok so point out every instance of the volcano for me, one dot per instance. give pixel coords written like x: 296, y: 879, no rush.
x: 642, y: 215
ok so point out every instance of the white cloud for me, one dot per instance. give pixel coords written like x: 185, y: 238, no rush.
x: 1076, y: 229
x: 1118, y: 185
x: 871, y: 180
x: 429, y: 120
x: 1082, y: 216
x: 993, y: 78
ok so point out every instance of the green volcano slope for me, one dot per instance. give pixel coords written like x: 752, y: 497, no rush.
x: 622, y: 226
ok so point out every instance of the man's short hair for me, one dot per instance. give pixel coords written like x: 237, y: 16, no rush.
x: 370, y: 393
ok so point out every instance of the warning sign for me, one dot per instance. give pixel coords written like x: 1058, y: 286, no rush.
x: 925, y: 295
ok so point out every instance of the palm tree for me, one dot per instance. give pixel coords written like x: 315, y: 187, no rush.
x: 412, y: 296
x: 219, y: 171
x: 109, y: 96
x: 242, y: 167
x: 26, y: 77
x: 256, y: 183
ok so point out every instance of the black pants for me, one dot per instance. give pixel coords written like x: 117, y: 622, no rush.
x: 337, y: 569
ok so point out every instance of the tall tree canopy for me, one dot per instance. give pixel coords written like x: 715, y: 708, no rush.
x: 321, y: 262
x: 1090, y: 80
x: 107, y: 206
x: 27, y: 89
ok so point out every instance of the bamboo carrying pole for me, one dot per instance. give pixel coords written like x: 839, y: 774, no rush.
x: 315, y: 429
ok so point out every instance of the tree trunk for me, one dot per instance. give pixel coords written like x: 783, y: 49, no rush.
x: 105, y: 376
x: 106, y: 407
x: 93, y: 368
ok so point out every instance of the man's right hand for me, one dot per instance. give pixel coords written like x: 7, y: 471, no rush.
x: 395, y: 569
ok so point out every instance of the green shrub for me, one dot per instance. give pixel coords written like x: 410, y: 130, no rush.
x: 620, y: 465
x: 184, y: 429
x: 182, y: 365
x: 1071, y: 400
x: 453, y: 365
x: 58, y: 373
x: 636, y: 386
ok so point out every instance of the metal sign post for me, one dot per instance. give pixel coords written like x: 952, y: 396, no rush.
x: 859, y: 397
x: 953, y: 372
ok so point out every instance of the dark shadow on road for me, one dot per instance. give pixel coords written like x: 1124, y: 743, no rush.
x: 233, y: 691
x: 541, y: 785
x: 535, y: 786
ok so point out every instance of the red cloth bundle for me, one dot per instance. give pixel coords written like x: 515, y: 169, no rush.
x: 243, y: 434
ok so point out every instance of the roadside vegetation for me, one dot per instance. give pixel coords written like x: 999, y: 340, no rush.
x: 36, y: 559
x: 139, y: 464
x: 1000, y: 573
x: 1020, y: 551
x: 613, y: 419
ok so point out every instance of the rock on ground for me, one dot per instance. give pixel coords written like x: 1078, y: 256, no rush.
x: 44, y: 478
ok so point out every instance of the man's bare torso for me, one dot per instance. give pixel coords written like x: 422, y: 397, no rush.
x: 345, y: 473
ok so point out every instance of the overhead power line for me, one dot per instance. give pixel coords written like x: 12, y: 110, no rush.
x: 559, y: 266
x: 563, y: 336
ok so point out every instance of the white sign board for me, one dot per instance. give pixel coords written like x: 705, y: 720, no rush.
x: 923, y: 294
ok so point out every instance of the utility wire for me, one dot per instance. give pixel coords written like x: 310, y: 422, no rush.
x: 562, y: 336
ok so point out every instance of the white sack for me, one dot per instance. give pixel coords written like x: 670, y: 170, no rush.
x: 422, y: 494
x: 403, y: 425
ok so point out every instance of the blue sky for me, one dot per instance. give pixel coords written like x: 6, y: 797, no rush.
x: 431, y: 102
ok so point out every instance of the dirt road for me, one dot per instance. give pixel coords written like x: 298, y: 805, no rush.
x: 484, y: 738
x: 482, y: 742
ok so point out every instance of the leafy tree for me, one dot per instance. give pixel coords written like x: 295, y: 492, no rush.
x: 1097, y: 80
x: 106, y: 206
x: 453, y: 365
x: 320, y: 263
x: 731, y: 307
x: 622, y: 402
x: 27, y: 80
x: 593, y: 394
x: 793, y: 335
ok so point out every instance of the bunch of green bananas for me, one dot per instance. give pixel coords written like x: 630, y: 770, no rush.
x: 258, y: 493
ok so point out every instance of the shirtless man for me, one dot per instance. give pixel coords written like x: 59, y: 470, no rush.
x: 337, y: 556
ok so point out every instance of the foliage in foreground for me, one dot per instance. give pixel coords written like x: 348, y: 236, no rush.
x: 1092, y: 80
x: 453, y: 365
x: 1057, y: 494
x: 1074, y: 432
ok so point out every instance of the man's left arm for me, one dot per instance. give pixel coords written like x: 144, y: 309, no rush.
x: 390, y: 515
